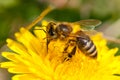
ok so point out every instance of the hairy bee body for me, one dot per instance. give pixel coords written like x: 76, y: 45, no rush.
x: 64, y: 30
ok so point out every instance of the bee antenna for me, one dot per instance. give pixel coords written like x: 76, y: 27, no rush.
x: 41, y: 29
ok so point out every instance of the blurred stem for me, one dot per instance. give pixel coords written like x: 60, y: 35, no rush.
x: 111, y: 39
x: 40, y: 17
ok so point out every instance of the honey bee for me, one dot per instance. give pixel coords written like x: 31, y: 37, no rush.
x: 80, y: 38
x: 65, y: 30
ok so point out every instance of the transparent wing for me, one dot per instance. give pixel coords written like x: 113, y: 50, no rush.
x: 91, y: 32
x: 88, y: 24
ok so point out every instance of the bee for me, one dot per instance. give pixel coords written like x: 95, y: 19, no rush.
x: 80, y: 38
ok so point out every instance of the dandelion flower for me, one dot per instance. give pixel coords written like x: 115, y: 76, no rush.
x: 31, y: 60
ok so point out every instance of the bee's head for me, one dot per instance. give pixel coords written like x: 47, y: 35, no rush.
x: 51, y: 30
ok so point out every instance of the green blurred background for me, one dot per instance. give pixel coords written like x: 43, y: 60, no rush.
x: 19, y: 13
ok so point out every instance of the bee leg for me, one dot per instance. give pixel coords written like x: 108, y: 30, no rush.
x: 70, y: 54
x: 67, y: 45
x: 48, y: 41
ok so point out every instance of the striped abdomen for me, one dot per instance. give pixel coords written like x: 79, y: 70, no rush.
x: 85, y: 44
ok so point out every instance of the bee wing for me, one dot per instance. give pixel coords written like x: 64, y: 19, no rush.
x: 90, y: 32
x: 88, y: 24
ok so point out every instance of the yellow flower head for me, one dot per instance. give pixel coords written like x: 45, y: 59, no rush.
x: 32, y: 59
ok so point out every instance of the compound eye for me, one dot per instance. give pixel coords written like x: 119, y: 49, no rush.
x: 64, y: 29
